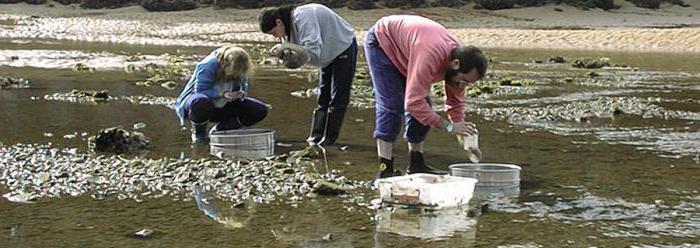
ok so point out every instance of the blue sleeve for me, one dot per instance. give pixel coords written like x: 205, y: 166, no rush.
x: 205, y: 77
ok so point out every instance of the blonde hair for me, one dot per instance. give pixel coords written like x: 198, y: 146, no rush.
x: 234, y: 62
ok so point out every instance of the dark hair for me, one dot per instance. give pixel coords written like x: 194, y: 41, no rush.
x: 470, y: 57
x: 267, y: 18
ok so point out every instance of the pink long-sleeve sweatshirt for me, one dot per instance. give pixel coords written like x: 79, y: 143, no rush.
x: 421, y: 49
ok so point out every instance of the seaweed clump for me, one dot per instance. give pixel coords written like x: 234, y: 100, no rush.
x: 168, y: 5
x: 495, y: 4
x: 117, y: 140
x: 7, y: 83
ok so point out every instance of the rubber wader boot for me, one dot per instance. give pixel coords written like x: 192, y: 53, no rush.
x: 318, y: 124
x: 333, y: 125
x: 199, y: 133
x: 417, y: 165
x: 386, y: 169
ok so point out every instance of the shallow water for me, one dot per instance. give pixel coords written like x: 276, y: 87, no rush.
x: 589, y: 178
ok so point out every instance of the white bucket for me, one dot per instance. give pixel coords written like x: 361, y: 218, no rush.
x: 243, y: 143
x: 503, y: 176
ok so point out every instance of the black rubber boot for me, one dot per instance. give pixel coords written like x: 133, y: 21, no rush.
x: 386, y: 169
x: 333, y: 125
x: 199, y: 133
x: 418, y: 165
x: 318, y: 124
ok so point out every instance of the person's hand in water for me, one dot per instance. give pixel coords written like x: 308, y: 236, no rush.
x: 234, y: 95
x: 275, y: 51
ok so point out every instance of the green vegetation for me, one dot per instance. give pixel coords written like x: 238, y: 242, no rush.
x: 108, y: 4
x: 654, y: 4
x: 96, y: 95
x: 489, y: 85
x: 117, y: 140
x: 591, y: 63
x: 403, y: 3
x: 166, y: 76
x: 83, y: 67
x: 6, y: 83
x: 496, y: 4
x: 591, y: 4
x: 168, y: 5
x: 361, y: 4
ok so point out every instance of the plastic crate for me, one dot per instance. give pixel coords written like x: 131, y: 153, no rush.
x: 426, y: 190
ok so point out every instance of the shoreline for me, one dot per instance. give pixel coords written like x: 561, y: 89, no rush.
x: 671, y: 29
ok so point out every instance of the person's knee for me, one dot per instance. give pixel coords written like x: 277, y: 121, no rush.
x: 387, y: 129
x: 416, y: 133
x: 255, y: 115
x: 200, y: 108
x: 323, y: 105
x: 388, y: 137
x: 200, y: 102
x: 338, y: 107
x: 340, y: 100
x: 261, y: 114
x: 414, y: 138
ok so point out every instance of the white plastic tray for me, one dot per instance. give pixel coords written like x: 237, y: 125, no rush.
x: 426, y: 190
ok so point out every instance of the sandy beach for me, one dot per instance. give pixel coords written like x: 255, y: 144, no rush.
x: 671, y: 28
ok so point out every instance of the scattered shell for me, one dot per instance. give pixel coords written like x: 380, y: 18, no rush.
x: 144, y: 233
x: 21, y: 197
x: 170, y: 85
x: 280, y: 144
x: 328, y: 237
x: 139, y: 125
x: 61, y: 172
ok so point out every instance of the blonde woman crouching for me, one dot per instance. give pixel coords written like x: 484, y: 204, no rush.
x: 217, y: 92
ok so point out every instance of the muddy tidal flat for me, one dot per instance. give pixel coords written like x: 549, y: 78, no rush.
x: 602, y: 115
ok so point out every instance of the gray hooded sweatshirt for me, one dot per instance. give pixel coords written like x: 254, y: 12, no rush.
x: 323, y: 33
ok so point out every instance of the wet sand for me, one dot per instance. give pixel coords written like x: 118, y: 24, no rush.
x: 670, y: 29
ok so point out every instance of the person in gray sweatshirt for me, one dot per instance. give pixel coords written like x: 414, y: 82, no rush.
x: 314, y: 34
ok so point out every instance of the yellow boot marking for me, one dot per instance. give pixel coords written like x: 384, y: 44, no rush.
x: 382, y: 166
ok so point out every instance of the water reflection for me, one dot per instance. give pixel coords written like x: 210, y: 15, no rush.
x: 485, y: 194
x: 16, y: 234
x: 237, y: 217
x: 67, y: 59
x: 617, y: 217
x: 452, y: 223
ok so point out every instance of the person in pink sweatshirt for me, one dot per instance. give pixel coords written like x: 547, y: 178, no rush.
x: 406, y: 54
